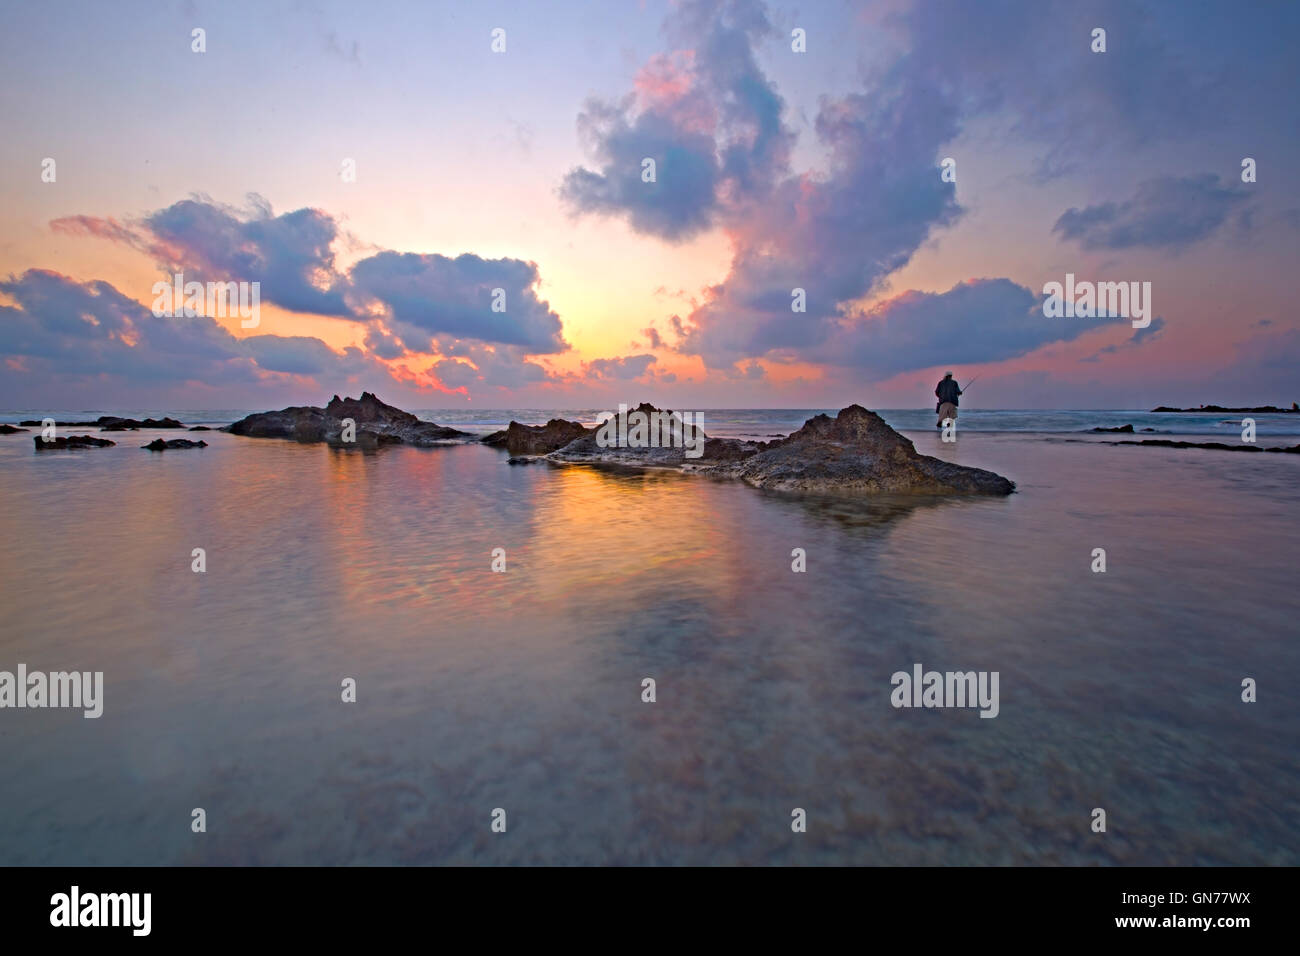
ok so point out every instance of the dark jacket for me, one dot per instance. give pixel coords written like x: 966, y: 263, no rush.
x: 947, y: 390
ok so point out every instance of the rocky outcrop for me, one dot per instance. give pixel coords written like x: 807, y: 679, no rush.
x: 71, y: 441
x: 1127, y: 429
x: 856, y: 453
x: 10, y: 430
x: 536, y: 439
x: 1216, y: 409
x: 159, y: 444
x: 375, y: 424
x: 200, y: 428
x: 113, y: 423
x: 674, y: 450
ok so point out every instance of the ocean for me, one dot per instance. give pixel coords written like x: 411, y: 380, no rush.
x: 522, y: 690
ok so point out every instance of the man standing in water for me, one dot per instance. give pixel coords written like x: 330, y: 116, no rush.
x: 947, y: 392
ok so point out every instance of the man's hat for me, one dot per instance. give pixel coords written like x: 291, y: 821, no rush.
x: 947, y: 374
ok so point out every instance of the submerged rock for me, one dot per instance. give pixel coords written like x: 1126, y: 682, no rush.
x: 10, y: 430
x: 1128, y: 429
x: 71, y: 441
x: 1215, y: 445
x: 856, y: 452
x: 200, y: 428
x: 159, y: 444
x: 376, y: 424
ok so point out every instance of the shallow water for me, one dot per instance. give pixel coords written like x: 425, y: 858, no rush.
x: 522, y: 690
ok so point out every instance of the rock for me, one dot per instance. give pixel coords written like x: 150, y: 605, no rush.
x: 1118, y: 428
x: 536, y: 439
x: 376, y: 424
x: 72, y: 441
x: 37, y: 423
x: 200, y: 428
x: 588, y: 448
x: 159, y: 444
x: 857, y: 452
x: 10, y: 430
x: 513, y: 460
x: 1216, y: 445
x: 1215, y: 409
x: 111, y: 423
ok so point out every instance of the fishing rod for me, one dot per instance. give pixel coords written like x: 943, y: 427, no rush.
x: 970, y: 383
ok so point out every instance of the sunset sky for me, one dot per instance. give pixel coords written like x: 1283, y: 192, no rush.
x: 522, y: 170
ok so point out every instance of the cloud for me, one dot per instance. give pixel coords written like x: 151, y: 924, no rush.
x: 1172, y: 72
x: 492, y: 366
x: 411, y: 304
x: 289, y: 254
x: 64, y: 329
x: 1140, y: 336
x: 428, y: 295
x: 619, y: 369
x: 1168, y: 212
x: 836, y: 234
x: 707, y: 116
x: 978, y: 321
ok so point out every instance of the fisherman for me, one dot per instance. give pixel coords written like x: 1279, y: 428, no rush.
x: 947, y: 392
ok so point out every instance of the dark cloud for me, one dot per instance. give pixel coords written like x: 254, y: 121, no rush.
x: 409, y: 303
x: 304, y: 355
x: 66, y: 329
x: 835, y: 236
x: 1169, y: 212
x: 289, y: 254
x: 707, y: 116
x: 1172, y: 70
x: 982, y: 320
x: 428, y: 295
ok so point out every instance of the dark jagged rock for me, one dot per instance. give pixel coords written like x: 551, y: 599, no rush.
x: 856, y: 452
x: 376, y: 424
x: 200, y: 428
x: 1216, y: 409
x: 10, y: 430
x: 512, y: 460
x: 72, y: 441
x: 536, y: 439
x: 589, y: 448
x: 1128, y: 429
x: 111, y: 423
x: 159, y: 444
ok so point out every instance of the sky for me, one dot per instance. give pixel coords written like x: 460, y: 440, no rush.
x: 452, y: 205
